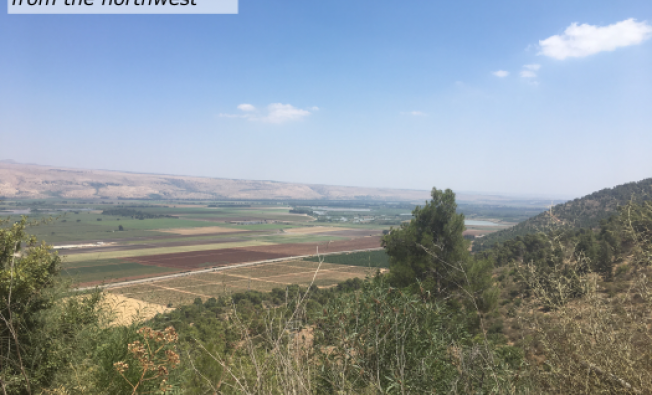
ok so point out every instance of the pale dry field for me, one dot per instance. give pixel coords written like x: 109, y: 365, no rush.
x: 314, y: 229
x: 200, y: 231
x: 261, y: 278
x: 129, y: 310
x: 92, y: 256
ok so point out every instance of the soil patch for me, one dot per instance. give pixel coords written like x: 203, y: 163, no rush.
x: 128, y: 310
x: 230, y: 256
x: 122, y: 279
x: 200, y: 259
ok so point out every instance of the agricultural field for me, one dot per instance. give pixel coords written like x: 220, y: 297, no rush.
x: 263, y: 278
x: 110, y: 270
x: 370, y: 259
x: 115, y: 241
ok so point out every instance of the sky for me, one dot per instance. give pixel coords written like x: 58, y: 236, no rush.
x: 547, y: 98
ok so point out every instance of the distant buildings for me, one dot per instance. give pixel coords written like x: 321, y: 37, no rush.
x: 260, y: 222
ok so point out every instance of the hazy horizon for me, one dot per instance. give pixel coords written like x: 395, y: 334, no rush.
x: 542, y: 98
x: 524, y: 196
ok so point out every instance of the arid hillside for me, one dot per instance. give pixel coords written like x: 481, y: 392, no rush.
x: 42, y: 182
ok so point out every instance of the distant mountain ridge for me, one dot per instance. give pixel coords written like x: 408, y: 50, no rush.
x: 585, y: 212
x: 22, y: 181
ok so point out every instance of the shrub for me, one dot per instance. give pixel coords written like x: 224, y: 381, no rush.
x: 592, y: 346
x: 622, y: 270
x: 42, y: 322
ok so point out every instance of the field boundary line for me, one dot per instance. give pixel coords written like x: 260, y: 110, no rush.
x: 245, y: 278
x: 265, y: 279
x: 180, y: 291
x: 211, y: 270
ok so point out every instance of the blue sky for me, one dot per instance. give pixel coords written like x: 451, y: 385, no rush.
x: 369, y: 93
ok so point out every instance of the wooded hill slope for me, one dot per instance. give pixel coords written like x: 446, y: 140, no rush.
x: 584, y: 212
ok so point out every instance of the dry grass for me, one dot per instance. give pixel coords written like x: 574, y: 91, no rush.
x: 128, y: 310
x: 594, y: 344
x: 314, y: 229
x: 261, y: 278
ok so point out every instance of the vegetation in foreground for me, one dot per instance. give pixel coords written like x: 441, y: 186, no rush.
x: 436, y: 323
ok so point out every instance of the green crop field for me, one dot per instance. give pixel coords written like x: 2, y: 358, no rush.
x: 73, y: 223
x: 89, y: 228
x: 114, y: 271
x: 90, y: 263
x: 375, y: 259
x: 78, y: 226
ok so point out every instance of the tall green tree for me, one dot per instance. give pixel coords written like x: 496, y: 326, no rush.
x: 39, y: 327
x: 26, y: 272
x: 431, y: 247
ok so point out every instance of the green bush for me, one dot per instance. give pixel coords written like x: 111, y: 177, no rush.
x: 42, y: 322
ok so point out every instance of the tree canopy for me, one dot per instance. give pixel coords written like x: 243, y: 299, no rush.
x: 431, y: 245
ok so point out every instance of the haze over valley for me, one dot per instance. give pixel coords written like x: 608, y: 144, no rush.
x: 296, y: 197
x: 28, y: 181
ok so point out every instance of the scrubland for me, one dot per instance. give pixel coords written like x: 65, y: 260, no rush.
x: 560, y: 312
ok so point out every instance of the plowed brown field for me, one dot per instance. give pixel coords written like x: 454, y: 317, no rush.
x: 230, y: 256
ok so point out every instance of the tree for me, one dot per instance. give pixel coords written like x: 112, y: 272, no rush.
x: 39, y: 321
x: 431, y: 247
x: 605, y: 261
x: 587, y: 245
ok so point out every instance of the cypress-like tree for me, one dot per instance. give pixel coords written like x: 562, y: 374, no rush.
x: 431, y: 247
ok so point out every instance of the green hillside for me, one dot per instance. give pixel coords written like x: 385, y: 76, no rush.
x: 585, y: 212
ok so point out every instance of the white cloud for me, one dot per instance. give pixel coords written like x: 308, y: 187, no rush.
x: 528, y: 74
x: 583, y: 40
x: 234, y: 115
x: 276, y: 113
x: 415, y: 113
x: 280, y: 113
x: 533, y: 67
x: 501, y: 73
